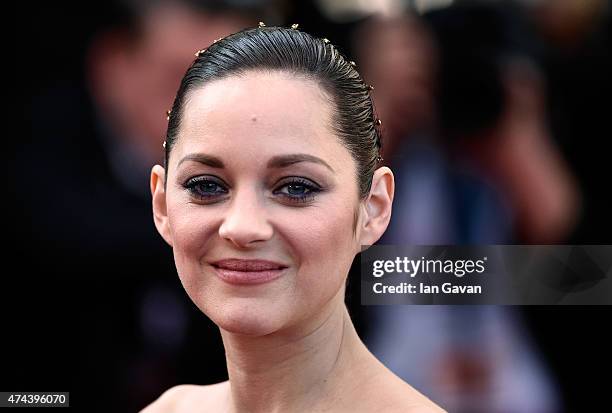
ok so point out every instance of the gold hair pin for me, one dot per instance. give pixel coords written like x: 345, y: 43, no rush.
x: 168, y: 112
x: 262, y: 24
x: 378, y: 122
x: 325, y: 40
x: 164, y: 144
x: 370, y: 87
x: 199, y: 52
x: 379, y: 159
x: 294, y: 26
x: 353, y: 63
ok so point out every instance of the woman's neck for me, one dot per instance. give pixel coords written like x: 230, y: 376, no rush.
x: 292, y: 371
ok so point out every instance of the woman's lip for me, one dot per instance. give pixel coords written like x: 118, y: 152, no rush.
x: 235, y: 264
x: 237, y: 271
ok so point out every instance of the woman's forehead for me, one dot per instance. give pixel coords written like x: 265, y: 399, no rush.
x: 259, y: 98
x: 259, y: 111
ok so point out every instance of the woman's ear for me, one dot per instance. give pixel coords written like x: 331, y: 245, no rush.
x: 377, y: 206
x: 160, y: 211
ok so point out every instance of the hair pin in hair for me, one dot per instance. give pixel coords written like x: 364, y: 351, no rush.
x: 325, y: 40
x: 168, y: 112
x: 164, y: 144
x: 353, y: 63
x: 370, y: 87
x: 378, y: 122
x: 379, y: 158
x: 262, y: 24
x: 294, y: 26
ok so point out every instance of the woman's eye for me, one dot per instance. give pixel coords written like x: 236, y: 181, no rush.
x: 298, y: 190
x: 205, y: 188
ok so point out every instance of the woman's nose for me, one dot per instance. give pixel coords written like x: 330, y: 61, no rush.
x: 246, y: 220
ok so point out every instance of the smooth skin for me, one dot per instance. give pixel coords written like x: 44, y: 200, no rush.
x: 273, y: 182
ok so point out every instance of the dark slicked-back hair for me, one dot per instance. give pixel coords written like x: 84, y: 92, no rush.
x: 299, y: 54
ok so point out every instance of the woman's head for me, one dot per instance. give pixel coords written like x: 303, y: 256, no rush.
x: 299, y: 54
x: 270, y: 155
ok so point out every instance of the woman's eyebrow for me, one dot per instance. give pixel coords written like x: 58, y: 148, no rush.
x: 203, y: 158
x: 279, y: 161
x: 282, y: 161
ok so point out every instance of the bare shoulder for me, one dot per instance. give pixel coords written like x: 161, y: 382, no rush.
x: 389, y: 393
x: 405, y: 398
x: 407, y: 402
x: 423, y: 407
x: 185, y: 397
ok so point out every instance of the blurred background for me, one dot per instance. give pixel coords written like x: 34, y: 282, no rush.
x: 496, y: 123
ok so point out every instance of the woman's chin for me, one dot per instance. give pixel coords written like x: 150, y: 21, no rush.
x: 246, y: 329
x: 246, y: 320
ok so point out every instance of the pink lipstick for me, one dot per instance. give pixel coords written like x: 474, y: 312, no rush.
x: 245, y: 272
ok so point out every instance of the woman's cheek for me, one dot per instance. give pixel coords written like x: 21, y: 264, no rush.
x: 191, y: 234
x: 324, y: 246
x: 189, y: 226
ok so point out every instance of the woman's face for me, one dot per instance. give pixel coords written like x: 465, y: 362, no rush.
x: 257, y: 174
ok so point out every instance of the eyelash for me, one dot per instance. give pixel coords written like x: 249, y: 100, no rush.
x: 192, y: 187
